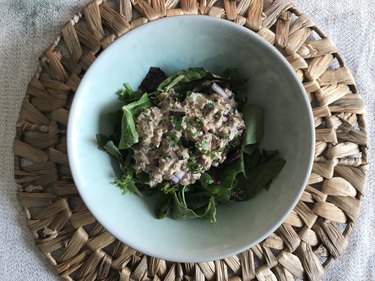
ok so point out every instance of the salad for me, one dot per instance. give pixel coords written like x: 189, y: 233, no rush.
x: 192, y: 139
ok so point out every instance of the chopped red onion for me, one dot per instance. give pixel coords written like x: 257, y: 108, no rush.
x: 170, y: 125
x: 220, y: 91
x: 177, y: 112
x: 179, y: 174
x: 155, y: 162
x: 201, y: 161
x: 174, y: 154
x: 175, y: 179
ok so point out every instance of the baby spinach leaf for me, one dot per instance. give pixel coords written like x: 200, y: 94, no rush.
x: 178, y: 121
x: 250, y: 148
x: 222, y: 191
x: 196, y: 198
x: 115, y: 119
x: 128, y: 95
x: 140, y: 105
x: 206, y: 179
x: 162, y: 207
x: 107, y: 144
x: 180, y: 210
x: 126, y: 184
x: 126, y: 165
x: 129, y: 135
x: 200, y: 80
x: 262, y: 175
x: 237, y: 84
x: 182, y: 77
x: 186, y: 205
x: 252, y: 160
x: 210, y: 211
x: 253, y: 117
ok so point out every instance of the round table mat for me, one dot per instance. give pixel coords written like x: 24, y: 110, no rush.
x: 315, y: 232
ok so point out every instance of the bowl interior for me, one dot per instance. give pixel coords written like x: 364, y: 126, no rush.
x: 174, y: 44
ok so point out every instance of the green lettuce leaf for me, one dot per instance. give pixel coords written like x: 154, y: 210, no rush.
x: 126, y: 184
x: 107, y: 144
x: 222, y: 191
x: 206, y: 179
x: 200, y: 80
x: 183, y: 77
x: 253, y: 117
x: 260, y: 175
x: 237, y: 85
x: 128, y: 95
x: 129, y: 135
x: 180, y: 210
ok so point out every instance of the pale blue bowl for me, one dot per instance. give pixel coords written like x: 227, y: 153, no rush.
x: 174, y: 44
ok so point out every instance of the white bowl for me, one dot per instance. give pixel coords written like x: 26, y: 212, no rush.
x: 174, y: 44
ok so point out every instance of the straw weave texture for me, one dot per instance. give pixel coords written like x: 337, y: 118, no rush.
x: 71, y: 239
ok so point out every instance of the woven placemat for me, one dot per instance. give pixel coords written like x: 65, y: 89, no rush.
x: 315, y: 232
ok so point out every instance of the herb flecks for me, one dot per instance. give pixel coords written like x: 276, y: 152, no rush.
x: 199, y: 120
x: 172, y: 138
x: 178, y: 122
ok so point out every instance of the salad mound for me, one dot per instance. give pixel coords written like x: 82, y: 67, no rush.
x: 179, y: 141
x: 192, y: 139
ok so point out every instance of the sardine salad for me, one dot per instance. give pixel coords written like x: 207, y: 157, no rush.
x: 191, y: 139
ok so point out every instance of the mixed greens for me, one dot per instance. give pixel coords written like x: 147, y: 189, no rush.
x: 192, y: 139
